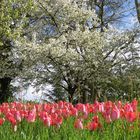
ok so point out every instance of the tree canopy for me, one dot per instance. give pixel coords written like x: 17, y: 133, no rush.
x: 70, y: 45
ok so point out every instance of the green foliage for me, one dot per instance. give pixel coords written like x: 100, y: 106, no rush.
x: 14, y: 22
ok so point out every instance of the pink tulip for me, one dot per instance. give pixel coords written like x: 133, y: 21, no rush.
x: 134, y: 104
x: 47, y: 121
x: 119, y: 104
x: 78, y: 124
x: 128, y: 108
x: 18, y: 116
x: 31, y: 116
x: 115, y: 114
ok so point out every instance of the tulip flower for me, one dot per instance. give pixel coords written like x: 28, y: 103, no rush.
x: 18, y: 116
x: 47, y: 121
x: 12, y: 120
x: 92, y: 126
x: 74, y: 112
x: 1, y: 121
x: 31, y: 116
x: 134, y: 104
x: 58, y: 121
x: 78, y: 124
x: 115, y: 114
x: 130, y: 116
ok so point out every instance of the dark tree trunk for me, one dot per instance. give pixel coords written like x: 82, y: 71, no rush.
x: 84, y: 98
x: 71, y: 91
x: 93, y: 92
x: 4, y: 89
x: 137, y: 4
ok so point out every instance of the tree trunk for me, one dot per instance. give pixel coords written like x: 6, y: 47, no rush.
x: 71, y: 91
x: 93, y: 92
x: 4, y: 89
x: 137, y: 4
x: 84, y: 97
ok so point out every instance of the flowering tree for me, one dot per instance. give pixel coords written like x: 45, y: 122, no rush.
x: 14, y: 20
x: 79, y: 61
x: 58, y: 42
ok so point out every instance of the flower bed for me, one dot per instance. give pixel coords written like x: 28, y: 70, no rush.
x: 62, y: 120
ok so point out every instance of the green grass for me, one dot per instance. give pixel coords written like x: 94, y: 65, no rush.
x: 118, y: 130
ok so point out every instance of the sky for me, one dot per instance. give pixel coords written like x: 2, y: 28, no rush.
x: 129, y: 20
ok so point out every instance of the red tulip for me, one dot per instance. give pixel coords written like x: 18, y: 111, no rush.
x: 107, y: 117
x: 130, y: 116
x: 92, y: 126
x: 12, y: 120
x: 42, y: 115
x: 74, y: 112
x: 47, y: 121
x: 58, y: 121
x: 95, y: 119
x: 1, y: 121
x: 61, y: 104
x: 81, y: 107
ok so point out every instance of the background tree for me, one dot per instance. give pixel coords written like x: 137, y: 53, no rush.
x: 84, y: 64
x: 14, y: 19
x: 69, y: 45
